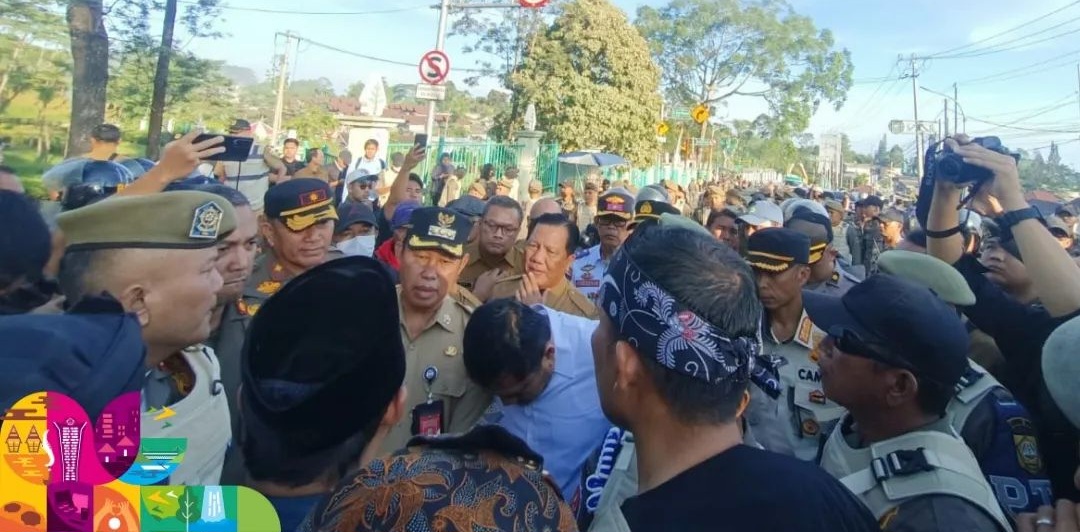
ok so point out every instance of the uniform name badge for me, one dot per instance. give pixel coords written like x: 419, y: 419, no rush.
x: 427, y: 417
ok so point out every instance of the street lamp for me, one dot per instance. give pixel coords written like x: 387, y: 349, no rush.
x: 951, y: 99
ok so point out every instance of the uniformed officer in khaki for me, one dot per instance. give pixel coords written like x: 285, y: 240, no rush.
x: 494, y: 247
x: 440, y: 395
x: 298, y: 225
x: 826, y: 276
x: 156, y: 255
x: 792, y: 423
x: 549, y: 256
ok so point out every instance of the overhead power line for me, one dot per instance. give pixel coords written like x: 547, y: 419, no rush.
x: 1008, y: 31
x: 297, y: 12
x: 987, y: 51
x: 1022, y: 71
x: 373, y: 58
x: 1018, y: 128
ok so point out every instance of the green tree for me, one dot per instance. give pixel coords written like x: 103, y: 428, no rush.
x: 132, y: 21
x: 593, y: 82
x: 197, y: 89
x: 502, y: 39
x: 28, y: 32
x: 355, y: 89
x: 712, y: 50
x: 896, y: 156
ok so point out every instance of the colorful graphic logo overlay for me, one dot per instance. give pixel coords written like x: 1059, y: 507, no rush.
x: 62, y: 473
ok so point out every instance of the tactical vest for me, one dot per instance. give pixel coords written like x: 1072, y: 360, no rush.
x: 1011, y: 461
x: 926, y: 462
x: 621, y: 483
x: 202, y: 417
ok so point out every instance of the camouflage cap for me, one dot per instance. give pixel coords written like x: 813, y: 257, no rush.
x: 182, y: 219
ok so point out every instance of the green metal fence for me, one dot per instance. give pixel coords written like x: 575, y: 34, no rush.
x: 472, y: 156
x: 547, y: 167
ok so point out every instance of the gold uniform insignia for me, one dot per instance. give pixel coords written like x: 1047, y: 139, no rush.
x: 206, y: 221
x: 646, y: 208
x: 268, y: 287
x: 1027, y: 447
x: 451, y: 351
x: 253, y: 308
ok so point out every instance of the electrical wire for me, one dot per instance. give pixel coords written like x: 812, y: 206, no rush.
x: 304, y: 13
x: 994, y: 48
x: 1069, y: 98
x: 1006, y: 32
x: 1020, y: 72
x: 372, y: 58
x: 1007, y: 126
x: 1009, y: 49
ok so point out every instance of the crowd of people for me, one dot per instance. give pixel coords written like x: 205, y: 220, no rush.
x: 376, y: 351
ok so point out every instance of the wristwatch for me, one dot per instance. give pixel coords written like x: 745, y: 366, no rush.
x: 1009, y: 219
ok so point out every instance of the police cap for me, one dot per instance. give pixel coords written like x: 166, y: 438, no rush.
x: 438, y: 229
x: 775, y: 249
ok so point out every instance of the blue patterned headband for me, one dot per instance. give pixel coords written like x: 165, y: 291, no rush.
x: 676, y: 337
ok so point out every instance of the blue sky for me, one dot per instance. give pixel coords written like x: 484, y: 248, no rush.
x: 875, y: 31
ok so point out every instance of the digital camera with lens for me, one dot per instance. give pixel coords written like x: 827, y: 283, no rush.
x: 949, y: 166
x: 941, y: 163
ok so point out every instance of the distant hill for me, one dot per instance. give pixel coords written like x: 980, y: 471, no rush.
x: 241, y: 76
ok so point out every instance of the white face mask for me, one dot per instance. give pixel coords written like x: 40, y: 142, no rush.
x: 358, y: 246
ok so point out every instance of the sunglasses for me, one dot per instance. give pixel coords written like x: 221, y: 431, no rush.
x: 850, y: 342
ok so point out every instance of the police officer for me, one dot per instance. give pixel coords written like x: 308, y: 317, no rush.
x: 826, y: 276
x: 651, y: 202
x: 299, y: 229
x: 615, y: 210
x: 793, y: 422
x: 549, y: 256
x: 998, y: 429
x: 894, y: 356
x: 441, y: 396
x: 164, y: 273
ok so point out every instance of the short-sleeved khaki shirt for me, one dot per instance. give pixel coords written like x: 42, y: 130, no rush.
x: 563, y: 297
x: 438, y: 346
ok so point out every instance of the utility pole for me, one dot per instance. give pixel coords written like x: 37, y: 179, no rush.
x: 915, y: 100
x: 283, y: 71
x: 955, y: 114
x: 440, y: 42
x: 946, y: 103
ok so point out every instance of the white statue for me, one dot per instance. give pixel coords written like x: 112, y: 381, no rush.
x: 530, y: 117
x: 373, y: 97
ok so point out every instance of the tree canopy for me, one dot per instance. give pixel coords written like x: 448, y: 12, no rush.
x: 713, y: 50
x: 593, y: 82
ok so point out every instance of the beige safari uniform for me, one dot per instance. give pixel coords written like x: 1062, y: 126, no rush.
x: 439, y: 346
x: 563, y: 297
x: 798, y: 420
x: 465, y: 297
x: 512, y: 264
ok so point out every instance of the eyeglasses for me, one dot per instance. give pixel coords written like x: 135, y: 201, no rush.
x: 609, y: 224
x: 496, y: 228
